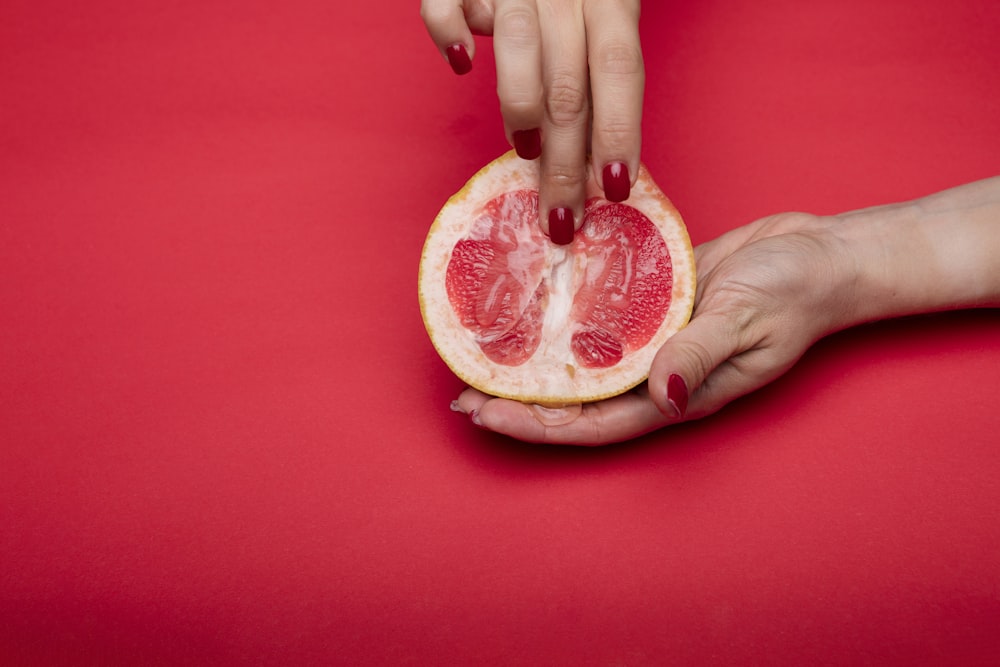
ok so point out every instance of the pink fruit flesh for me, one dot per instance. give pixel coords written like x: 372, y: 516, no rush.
x: 494, y: 278
x: 626, y: 286
x: 496, y: 283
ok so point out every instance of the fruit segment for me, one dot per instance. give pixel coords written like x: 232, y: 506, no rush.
x: 494, y: 279
x: 626, y: 286
x: 498, y: 283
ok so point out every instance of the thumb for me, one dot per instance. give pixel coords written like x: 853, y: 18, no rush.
x: 677, y: 377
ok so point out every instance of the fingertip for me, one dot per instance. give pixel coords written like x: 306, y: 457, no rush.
x: 676, y: 399
x: 468, y: 401
x: 447, y: 27
x: 562, y: 225
x: 676, y: 373
x: 562, y: 193
x: 459, y: 59
x: 527, y: 143
x: 662, y: 397
x: 616, y: 181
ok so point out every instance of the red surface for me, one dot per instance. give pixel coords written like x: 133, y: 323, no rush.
x: 226, y: 437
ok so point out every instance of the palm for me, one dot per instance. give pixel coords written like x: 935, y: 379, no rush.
x: 757, y: 286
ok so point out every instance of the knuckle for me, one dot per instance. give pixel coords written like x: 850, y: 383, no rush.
x: 703, y: 359
x: 617, y: 135
x: 618, y: 58
x: 566, y: 99
x: 566, y: 176
x: 433, y: 13
x: 597, y: 434
x: 518, y: 25
x: 480, y: 16
x: 519, y: 106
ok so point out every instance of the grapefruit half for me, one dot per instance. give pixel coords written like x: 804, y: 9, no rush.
x: 517, y: 316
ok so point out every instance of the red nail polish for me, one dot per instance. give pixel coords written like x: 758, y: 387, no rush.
x: 677, y: 394
x: 528, y: 143
x: 459, y: 59
x: 561, y: 226
x: 616, y: 181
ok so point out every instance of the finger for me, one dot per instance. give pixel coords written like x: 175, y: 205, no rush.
x: 716, y: 359
x: 518, y: 49
x: 617, y: 80
x: 563, y: 177
x: 613, y: 420
x: 445, y: 22
x: 684, y: 363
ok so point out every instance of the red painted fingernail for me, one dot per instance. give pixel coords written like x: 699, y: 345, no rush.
x: 561, y: 226
x: 528, y: 143
x: 677, y: 394
x: 459, y: 59
x: 616, y: 181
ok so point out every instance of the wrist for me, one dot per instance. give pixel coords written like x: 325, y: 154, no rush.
x: 877, y: 256
x: 936, y: 253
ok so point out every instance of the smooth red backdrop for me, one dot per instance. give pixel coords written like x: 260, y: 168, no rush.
x: 225, y: 437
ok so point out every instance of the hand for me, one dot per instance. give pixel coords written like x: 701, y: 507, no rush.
x: 766, y: 292
x: 559, y: 62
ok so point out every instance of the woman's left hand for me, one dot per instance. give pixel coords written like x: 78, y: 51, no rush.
x: 766, y: 292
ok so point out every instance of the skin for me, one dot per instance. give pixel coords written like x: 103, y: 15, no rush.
x: 572, y: 69
x: 767, y: 291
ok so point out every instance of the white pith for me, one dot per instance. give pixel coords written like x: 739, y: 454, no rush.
x: 552, y: 375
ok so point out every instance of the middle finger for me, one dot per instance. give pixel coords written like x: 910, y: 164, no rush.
x: 564, y: 159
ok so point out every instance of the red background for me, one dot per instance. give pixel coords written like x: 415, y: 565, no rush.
x: 226, y: 437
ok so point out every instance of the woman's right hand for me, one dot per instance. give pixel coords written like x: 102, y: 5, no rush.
x: 570, y: 80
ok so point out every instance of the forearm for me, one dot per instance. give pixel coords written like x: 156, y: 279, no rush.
x: 939, y: 252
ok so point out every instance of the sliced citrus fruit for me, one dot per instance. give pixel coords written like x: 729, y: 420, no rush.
x: 517, y: 316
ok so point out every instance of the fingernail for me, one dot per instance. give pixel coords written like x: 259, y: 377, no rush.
x: 556, y: 416
x: 528, y: 143
x: 458, y: 58
x: 455, y: 407
x: 677, y: 394
x: 561, y: 226
x: 616, y: 181
x: 475, y: 419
